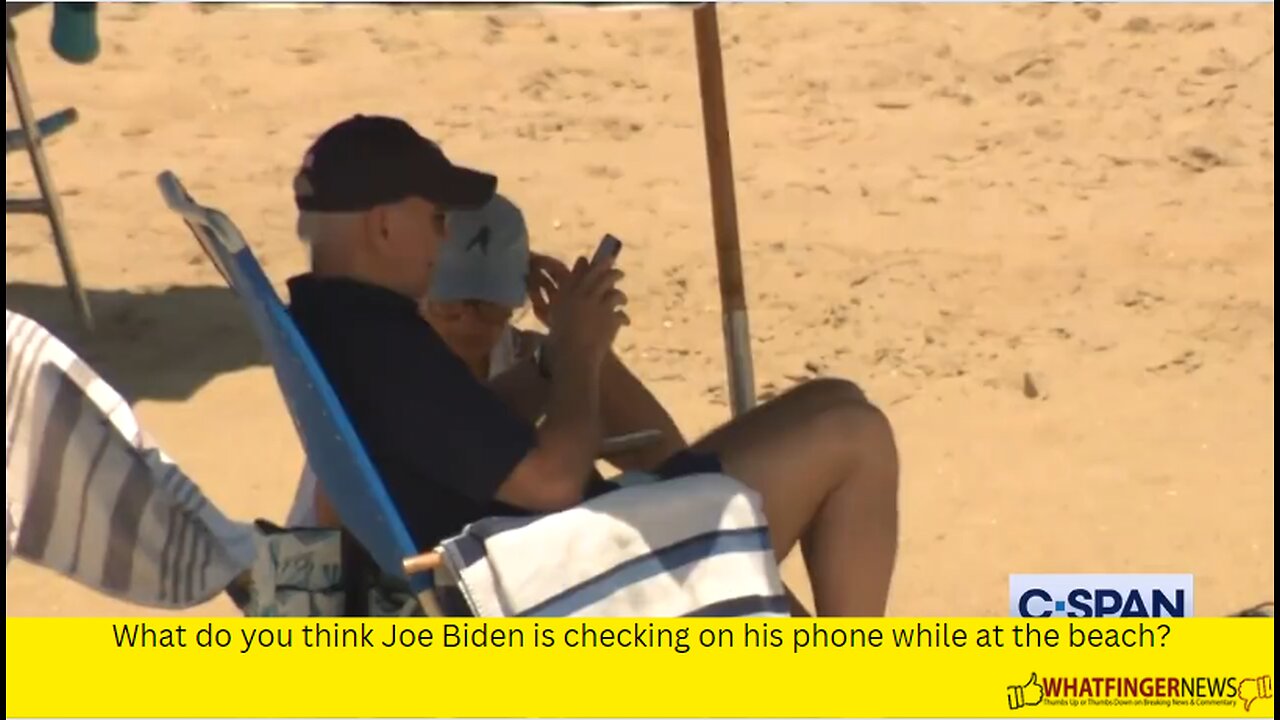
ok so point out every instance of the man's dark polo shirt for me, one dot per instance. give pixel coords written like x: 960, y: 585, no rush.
x: 442, y: 441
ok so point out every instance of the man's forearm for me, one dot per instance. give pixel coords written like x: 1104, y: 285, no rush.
x: 628, y: 406
x: 555, y: 472
x: 570, y: 436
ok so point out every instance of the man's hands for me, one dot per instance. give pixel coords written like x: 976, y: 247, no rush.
x: 582, y: 307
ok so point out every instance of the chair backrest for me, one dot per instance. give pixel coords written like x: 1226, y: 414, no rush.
x: 334, y: 452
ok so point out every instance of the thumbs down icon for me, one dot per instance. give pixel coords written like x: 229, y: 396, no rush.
x: 1252, y: 689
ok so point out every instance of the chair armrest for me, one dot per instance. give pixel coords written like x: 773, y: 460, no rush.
x: 424, y: 563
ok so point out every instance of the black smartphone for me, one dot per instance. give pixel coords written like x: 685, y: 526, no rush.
x: 609, y: 247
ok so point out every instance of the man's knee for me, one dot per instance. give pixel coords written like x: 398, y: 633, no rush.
x: 830, y: 416
x: 840, y: 415
x: 826, y: 393
x: 850, y: 414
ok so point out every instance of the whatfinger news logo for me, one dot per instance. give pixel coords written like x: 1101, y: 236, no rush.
x: 1100, y: 596
x: 1223, y: 691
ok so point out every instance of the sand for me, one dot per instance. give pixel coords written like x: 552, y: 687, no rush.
x: 1040, y: 236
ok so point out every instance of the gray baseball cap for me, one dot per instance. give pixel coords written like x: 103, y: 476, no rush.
x: 486, y: 256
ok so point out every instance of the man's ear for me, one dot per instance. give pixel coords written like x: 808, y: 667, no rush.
x: 378, y: 227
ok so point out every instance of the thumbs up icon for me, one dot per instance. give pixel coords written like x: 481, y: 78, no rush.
x: 1028, y: 695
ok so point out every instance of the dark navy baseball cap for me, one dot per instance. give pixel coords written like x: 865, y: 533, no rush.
x: 367, y: 161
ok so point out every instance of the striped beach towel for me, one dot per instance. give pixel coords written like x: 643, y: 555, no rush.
x: 693, y: 546
x: 89, y: 496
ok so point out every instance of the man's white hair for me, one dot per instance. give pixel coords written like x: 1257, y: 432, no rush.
x: 322, y: 228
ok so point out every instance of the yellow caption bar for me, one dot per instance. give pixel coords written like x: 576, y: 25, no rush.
x: 639, y: 668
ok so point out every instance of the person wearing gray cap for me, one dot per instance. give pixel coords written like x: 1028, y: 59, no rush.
x: 480, y: 280
x: 477, y: 285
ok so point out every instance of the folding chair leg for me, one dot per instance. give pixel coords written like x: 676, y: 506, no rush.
x: 49, y: 204
x: 430, y: 605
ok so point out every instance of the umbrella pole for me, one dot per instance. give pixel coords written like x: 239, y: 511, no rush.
x: 724, y: 209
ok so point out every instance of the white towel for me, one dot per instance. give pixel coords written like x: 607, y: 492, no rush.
x: 693, y: 546
x: 89, y: 496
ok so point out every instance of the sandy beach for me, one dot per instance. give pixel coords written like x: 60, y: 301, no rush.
x: 1040, y: 236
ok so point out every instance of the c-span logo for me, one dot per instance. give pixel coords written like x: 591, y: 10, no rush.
x: 1083, y: 596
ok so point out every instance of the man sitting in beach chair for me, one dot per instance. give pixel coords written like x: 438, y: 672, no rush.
x: 452, y: 450
x: 481, y: 279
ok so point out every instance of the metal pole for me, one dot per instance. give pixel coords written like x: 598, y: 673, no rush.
x: 48, y: 194
x: 724, y: 209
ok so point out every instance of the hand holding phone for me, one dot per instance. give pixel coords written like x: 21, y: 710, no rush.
x: 587, y: 312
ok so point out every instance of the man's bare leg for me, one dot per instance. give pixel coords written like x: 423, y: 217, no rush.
x: 824, y: 461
